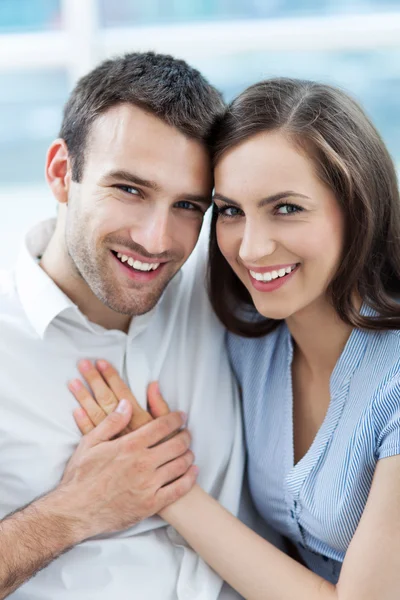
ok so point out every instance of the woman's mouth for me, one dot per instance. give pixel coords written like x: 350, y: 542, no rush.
x: 269, y: 280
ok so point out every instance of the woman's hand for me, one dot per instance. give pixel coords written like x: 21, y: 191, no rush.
x: 108, y: 389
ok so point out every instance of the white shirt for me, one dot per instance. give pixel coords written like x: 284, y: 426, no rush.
x: 180, y: 343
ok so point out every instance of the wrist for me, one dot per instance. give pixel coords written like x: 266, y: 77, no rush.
x: 60, y: 506
x: 172, y: 512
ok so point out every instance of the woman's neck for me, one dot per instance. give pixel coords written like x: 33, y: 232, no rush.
x: 319, y: 336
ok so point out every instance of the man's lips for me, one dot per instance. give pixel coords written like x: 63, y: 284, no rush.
x: 139, y: 257
x: 142, y: 276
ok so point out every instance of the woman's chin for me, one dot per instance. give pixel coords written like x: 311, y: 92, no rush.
x: 277, y: 312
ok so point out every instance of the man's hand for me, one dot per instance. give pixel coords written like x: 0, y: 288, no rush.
x: 108, y: 389
x: 109, y: 484
x: 118, y: 483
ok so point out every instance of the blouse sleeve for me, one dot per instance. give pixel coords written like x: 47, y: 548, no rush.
x: 387, y: 418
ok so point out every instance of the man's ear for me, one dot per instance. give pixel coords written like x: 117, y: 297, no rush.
x: 58, y: 170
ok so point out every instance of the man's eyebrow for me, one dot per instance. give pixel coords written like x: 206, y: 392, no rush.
x: 263, y: 201
x: 135, y: 179
x: 132, y: 178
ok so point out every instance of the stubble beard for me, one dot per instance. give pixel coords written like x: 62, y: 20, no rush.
x: 92, y: 267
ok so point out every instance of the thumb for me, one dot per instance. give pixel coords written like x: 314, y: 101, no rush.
x: 112, y: 425
x: 157, y: 405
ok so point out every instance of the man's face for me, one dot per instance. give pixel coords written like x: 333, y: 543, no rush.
x: 135, y: 217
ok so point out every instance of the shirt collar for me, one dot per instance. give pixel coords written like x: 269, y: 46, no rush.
x: 41, y: 299
x: 352, y: 354
x: 350, y: 357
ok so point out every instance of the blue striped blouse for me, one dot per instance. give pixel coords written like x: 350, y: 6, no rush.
x: 318, y: 502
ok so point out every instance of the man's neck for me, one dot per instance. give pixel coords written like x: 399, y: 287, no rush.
x: 57, y: 264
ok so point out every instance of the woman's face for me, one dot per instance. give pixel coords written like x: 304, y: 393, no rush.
x: 279, y: 227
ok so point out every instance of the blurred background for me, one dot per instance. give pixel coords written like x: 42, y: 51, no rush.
x: 45, y: 45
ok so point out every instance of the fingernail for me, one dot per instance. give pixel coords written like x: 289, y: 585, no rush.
x: 76, y: 385
x: 102, y: 364
x: 122, y: 407
x: 184, y: 417
x: 85, y: 365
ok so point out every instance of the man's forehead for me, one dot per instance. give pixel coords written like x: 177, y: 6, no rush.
x: 130, y: 124
x: 126, y: 138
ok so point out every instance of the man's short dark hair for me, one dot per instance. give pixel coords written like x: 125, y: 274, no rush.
x: 160, y: 84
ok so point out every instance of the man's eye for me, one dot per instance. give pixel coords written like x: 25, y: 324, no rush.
x: 128, y: 189
x: 186, y: 205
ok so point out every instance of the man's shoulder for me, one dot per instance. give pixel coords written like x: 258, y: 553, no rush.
x: 12, y: 315
x: 7, y: 289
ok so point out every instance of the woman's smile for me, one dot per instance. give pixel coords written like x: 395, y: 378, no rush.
x: 280, y: 228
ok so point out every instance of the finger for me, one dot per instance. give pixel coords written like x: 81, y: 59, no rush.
x: 104, y: 396
x: 157, y: 405
x: 171, y: 449
x: 95, y: 413
x: 121, y: 390
x: 174, y: 469
x: 174, y: 491
x: 112, y: 425
x: 155, y: 432
x: 83, y: 422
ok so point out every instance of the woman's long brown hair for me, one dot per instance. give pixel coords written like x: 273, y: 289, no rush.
x: 352, y: 160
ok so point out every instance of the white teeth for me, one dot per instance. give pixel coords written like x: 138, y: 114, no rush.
x: 270, y: 275
x: 136, y: 264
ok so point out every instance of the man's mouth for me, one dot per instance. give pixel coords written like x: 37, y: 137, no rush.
x: 136, y: 265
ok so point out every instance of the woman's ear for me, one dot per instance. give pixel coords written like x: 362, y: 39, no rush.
x: 58, y: 170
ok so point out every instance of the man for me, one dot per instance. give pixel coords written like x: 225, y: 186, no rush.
x: 132, y: 177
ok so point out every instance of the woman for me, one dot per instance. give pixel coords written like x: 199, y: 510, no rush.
x: 304, y: 272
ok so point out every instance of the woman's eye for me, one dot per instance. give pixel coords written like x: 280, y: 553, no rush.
x: 288, y: 209
x: 228, y: 211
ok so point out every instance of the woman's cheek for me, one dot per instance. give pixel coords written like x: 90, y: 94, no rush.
x: 226, y: 243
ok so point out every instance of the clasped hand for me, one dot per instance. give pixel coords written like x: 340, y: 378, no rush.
x: 130, y: 463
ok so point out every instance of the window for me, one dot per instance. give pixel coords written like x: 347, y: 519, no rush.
x: 45, y: 45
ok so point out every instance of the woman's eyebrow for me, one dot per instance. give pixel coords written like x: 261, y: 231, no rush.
x: 263, y: 201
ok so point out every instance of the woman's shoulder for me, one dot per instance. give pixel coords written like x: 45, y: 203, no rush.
x: 245, y: 353
x: 386, y: 399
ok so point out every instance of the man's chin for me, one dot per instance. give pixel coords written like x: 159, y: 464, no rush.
x: 135, y: 308
x: 134, y: 301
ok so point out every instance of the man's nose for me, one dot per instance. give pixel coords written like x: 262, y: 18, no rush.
x: 153, y: 232
x: 257, y: 242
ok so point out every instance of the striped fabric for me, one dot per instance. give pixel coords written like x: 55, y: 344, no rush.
x: 318, y: 502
